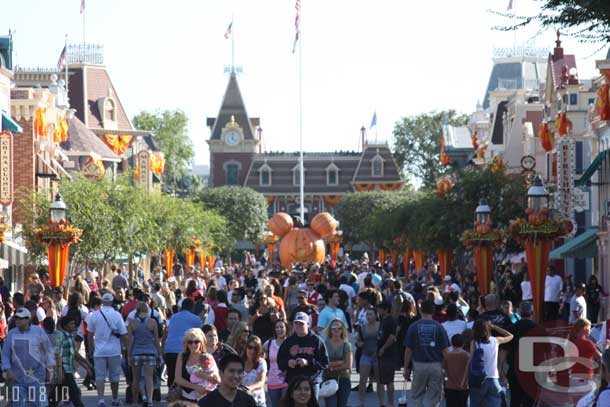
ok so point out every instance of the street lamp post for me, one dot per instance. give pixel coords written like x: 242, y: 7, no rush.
x: 483, y: 240
x: 58, y: 235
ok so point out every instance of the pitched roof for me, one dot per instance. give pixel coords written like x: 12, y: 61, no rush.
x: 83, y: 142
x: 364, y: 172
x: 560, y: 65
x: 93, y: 83
x: 232, y: 105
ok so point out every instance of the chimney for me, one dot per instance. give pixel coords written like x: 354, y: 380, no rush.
x: 259, y: 132
x: 558, y: 51
x: 363, y: 134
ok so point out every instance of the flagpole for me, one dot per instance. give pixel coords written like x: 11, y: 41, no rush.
x: 232, y: 46
x: 301, y: 169
x: 84, y: 12
x: 66, y: 63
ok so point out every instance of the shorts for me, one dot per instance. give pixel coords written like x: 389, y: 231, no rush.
x: 139, y: 360
x: 369, y: 360
x: 387, y: 369
x: 107, y: 367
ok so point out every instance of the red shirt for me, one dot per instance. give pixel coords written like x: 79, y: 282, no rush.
x: 220, y: 317
x: 129, y: 306
x: 587, y: 350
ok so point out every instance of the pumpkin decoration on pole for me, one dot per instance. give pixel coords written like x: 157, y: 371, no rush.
x: 58, y: 235
x: 483, y: 240
x: 299, y: 244
x: 537, y: 232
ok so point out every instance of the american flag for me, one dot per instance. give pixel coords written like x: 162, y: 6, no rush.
x: 297, y: 21
x: 229, y: 30
x: 62, y: 59
x: 82, y: 6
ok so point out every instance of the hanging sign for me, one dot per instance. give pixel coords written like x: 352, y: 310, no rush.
x: 6, y: 168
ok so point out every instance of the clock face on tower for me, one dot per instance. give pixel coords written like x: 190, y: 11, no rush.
x: 232, y: 137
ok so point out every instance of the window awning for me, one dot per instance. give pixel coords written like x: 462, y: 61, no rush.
x: 601, y: 157
x: 582, y: 246
x: 9, y: 124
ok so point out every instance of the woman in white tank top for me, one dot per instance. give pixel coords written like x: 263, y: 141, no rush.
x: 482, y: 339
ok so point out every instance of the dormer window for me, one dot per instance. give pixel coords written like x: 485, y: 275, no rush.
x: 232, y: 169
x: 265, y: 175
x: 332, y: 174
x: 377, y: 166
x: 296, y: 174
x: 109, y: 110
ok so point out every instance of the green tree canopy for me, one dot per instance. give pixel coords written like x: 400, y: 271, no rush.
x: 170, y: 131
x: 244, y: 209
x: 417, y: 144
x: 588, y: 20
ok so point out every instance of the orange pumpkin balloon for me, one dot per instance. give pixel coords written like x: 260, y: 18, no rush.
x: 280, y: 224
x: 302, y: 246
x: 324, y: 224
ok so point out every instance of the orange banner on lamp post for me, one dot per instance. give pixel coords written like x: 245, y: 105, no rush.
x: 382, y: 256
x: 537, y: 256
x: 58, y: 254
x: 202, y: 261
x: 418, y: 258
x: 483, y: 263
x: 444, y: 261
x: 406, y: 257
x: 211, y: 260
x: 168, y: 259
x: 190, y: 258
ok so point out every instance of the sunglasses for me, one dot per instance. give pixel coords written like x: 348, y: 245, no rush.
x: 335, y: 328
x: 21, y: 318
x: 197, y: 341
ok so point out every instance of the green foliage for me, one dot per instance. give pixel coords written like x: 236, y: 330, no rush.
x: 588, y: 20
x: 244, y: 209
x: 120, y: 219
x: 417, y: 144
x: 170, y: 131
x: 361, y: 215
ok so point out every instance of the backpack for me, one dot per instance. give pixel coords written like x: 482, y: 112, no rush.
x: 476, y: 369
x: 159, y: 324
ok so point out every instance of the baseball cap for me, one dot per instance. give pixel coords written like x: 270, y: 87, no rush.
x: 438, y: 300
x: 23, y: 313
x: 301, y: 317
x: 447, y: 278
x: 108, y: 297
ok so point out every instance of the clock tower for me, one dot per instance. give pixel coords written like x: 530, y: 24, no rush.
x: 233, y: 142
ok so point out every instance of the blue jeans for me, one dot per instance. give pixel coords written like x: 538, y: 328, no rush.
x: 489, y: 391
x: 275, y: 395
x: 339, y: 399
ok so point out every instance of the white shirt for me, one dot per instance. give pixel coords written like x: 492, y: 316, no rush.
x: 526, y: 291
x: 361, y: 278
x: 552, y: 288
x: 601, y: 341
x: 578, y: 308
x: 350, y: 294
x: 106, y: 344
x: 220, y: 282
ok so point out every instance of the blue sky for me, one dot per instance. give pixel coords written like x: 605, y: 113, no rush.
x: 396, y: 57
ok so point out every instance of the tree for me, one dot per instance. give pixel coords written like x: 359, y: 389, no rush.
x: 417, y: 144
x: 244, y: 209
x: 588, y: 20
x: 170, y: 131
x: 361, y: 215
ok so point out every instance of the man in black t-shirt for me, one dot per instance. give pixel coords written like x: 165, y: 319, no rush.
x: 229, y: 393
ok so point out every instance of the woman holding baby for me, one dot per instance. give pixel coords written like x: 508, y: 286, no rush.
x: 196, y: 370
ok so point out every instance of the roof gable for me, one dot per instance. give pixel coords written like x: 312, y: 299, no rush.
x: 83, y: 142
x: 364, y: 171
x: 232, y: 105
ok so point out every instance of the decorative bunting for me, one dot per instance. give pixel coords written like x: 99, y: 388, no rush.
x: 117, y: 143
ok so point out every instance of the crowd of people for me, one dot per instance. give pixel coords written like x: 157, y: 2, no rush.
x: 251, y: 333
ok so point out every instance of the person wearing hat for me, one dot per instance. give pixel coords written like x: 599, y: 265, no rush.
x: 107, y: 338
x: 28, y: 359
x: 578, y: 304
x: 303, y: 353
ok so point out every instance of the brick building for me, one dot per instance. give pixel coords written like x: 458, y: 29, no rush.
x: 236, y: 159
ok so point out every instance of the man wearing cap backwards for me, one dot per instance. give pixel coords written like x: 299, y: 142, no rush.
x: 303, y: 353
x: 28, y: 359
x: 107, y: 338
